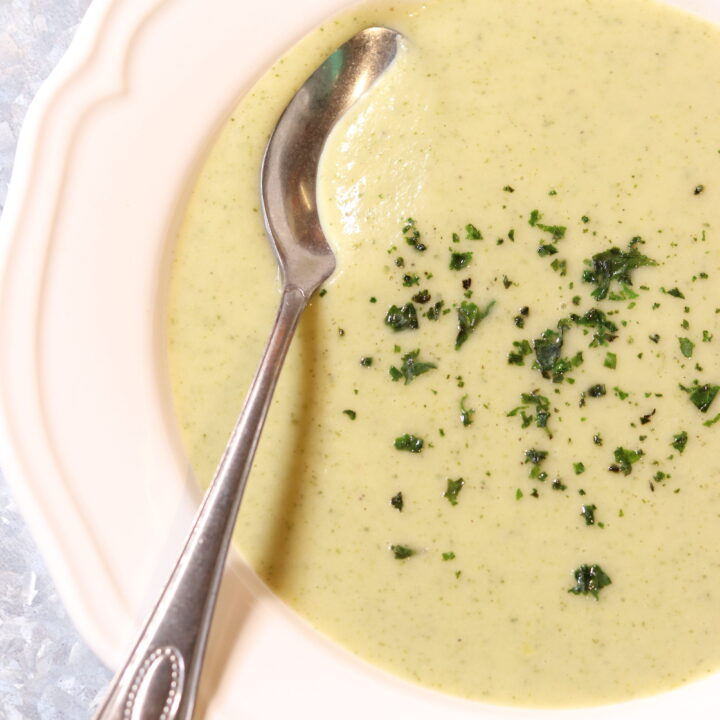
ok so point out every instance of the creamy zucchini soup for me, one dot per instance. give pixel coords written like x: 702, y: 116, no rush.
x: 491, y: 464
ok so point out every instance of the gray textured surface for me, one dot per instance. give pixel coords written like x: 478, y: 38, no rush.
x: 46, y: 671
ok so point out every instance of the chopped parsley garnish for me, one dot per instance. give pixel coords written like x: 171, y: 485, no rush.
x: 402, y: 318
x: 686, y: 346
x: 536, y: 458
x: 701, y: 396
x: 448, y: 556
x: 559, y: 266
x: 412, y: 235
x: 589, y: 580
x: 597, y: 390
x: 645, y: 419
x: 674, y: 292
x: 547, y: 350
x: 466, y: 414
x: 614, y: 265
x: 542, y: 405
x: 698, y: 189
x: 401, y: 551
x: 579, y: 468
x: 680, y: 441
x: 604, y: 329
x: 610, y: 360
x: 547, y: 355
x: 422, y: 297
x: 435, y: 311
x: 588, y: 512
x: 453, y: 490
x: 410, y: 443
x: 350, y: 413
x: 366, y: 361
x: 459, y: 260
x: 625, y: 459
x: 472, y: 232
x: 469, y: 317
x: 621, y: 393
x: 557, y: 231
x: 397, y: 501
x: 544, y: 250
x: 411, y: 367
x: 557, y: 484
x: 410, y: 280
x: 522, y: 349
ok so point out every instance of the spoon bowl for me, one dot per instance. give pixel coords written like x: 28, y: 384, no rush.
x: 290, y: 166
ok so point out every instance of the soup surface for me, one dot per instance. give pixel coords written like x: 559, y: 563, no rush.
x: 491, y: 463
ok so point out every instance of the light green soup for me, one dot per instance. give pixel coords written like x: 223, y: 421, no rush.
x: 554, y: 541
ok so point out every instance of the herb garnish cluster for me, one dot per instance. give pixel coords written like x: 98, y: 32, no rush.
x: 611, y: 275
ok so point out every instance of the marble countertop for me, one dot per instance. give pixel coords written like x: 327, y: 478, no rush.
x: 46, y: 670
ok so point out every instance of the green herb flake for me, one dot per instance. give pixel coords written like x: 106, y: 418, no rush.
x: 522, y: 350
x: 588, y: 512
x: 707, y: 337
x: 410, y: 280
x: 350, y: 413
x: 453, y: 490
x: 680, y: 441
x: 625, y: 459
x: 686, y: 346
x: 459, y: 260
x: 412, y: 235
x: 579, y: 468
x: 466, y: 414
x: 596, y: 391
x: 536, y: 458
x: 402, y: 318
x: 589, y: 580
x: 620, y: 393
x: 366, y: 361
x: 518, y: 494
x: 434, y: 312
x: 411, y: 367
x: 472, y: 232
x: 469, y: 317
x: 446, y: 556
x: 409, y: 443
x: 542, y: 409
x: 401, y: 552
x: 421, y: 297
x: 397, y: 501
x: 559, y: 266
x: 614, y: 265
x: 605, y: 329
x: 701, y: 396
x: 674, y: 292
x: 610, y: 360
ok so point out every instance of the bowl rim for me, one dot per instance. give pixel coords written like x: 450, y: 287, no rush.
x: 97, y: 86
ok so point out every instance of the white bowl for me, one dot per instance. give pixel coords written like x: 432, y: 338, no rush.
x: 109, y: 149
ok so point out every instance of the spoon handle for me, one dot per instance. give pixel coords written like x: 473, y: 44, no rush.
x: 160, y: 679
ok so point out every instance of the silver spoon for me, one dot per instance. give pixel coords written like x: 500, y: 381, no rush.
x: 160, y: 679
